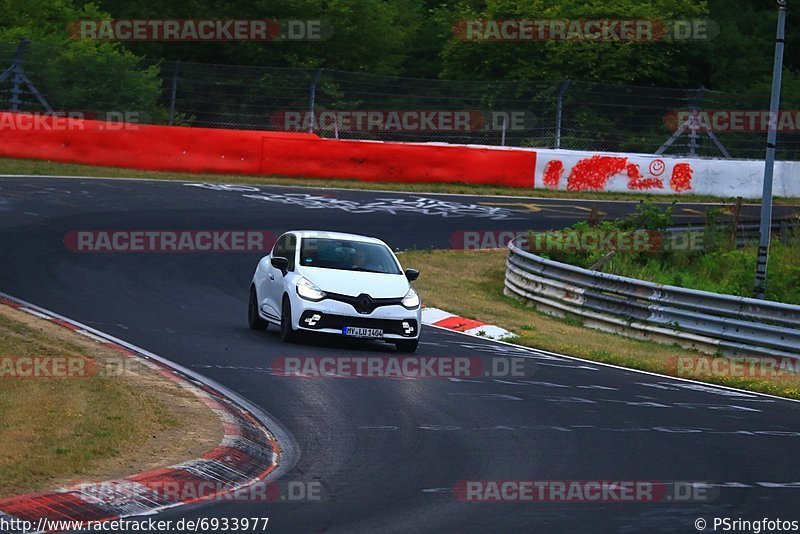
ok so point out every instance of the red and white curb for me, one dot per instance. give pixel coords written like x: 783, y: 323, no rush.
x: 443, y: 319
x: 248, y: 454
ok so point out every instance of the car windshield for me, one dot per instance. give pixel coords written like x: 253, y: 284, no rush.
x: 347, y: 255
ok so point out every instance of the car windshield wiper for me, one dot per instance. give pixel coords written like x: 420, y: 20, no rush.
x: 363, y: 270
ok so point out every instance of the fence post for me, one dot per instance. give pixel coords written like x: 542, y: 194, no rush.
x: 173, y: 93
x: 737, y: 214
x: 562, y: 89
x: 313, y: 99
x: 697, y: 103
x: 17, y: 70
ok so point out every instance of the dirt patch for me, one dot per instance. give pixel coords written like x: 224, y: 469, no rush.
x: 61, y: 431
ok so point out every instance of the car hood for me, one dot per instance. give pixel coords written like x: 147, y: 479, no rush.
x: 354, y: 283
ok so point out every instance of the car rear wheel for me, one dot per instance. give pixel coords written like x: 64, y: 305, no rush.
x: 287, y: 332
x: 253, y: 319
x: 407, y: 346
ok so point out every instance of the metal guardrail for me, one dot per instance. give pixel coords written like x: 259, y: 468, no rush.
x: 702, y: 320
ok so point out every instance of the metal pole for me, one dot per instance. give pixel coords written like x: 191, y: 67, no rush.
x: 693, y: 135
x: 313, y: 100
x: 503, y: 133
x: 174, y: 92
x: 18, y: 78
x: 562, y: 89
x: 769, y: 164
x: 15, y: 91
x: 696, y: 104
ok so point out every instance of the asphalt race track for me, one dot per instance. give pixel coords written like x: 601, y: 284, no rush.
x: 386, y: 451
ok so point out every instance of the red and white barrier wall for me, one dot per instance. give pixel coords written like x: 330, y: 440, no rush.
x: 573, y: 170
x: 173, y: 148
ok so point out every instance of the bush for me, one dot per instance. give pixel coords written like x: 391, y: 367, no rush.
x: 720, y: 266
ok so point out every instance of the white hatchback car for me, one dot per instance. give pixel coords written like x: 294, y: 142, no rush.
x: 336, y: 283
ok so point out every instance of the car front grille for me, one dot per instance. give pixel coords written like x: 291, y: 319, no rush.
x: 318, y: 320
x: 364, y: 303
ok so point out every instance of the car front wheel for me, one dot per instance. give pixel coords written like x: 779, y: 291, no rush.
x: 253, y: 319
x: 287, y: 332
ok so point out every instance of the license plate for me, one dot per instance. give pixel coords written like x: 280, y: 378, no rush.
x: 354, y: 331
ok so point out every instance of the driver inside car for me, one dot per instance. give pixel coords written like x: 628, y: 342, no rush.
x: 361, y: 260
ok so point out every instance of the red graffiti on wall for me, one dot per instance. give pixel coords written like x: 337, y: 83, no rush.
x: 553, y: 172
x: 594, y: 173
x: 637, y: 182
x: 681, y: 177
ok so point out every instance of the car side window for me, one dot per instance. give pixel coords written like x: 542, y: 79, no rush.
x: 291, y: 250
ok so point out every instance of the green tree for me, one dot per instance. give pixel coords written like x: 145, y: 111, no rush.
x: 75, y: 74
x: 368, y: 35
x: 644, y: 62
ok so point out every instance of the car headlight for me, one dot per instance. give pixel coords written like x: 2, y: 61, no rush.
x: 411, y: 300
x: 308, y: 290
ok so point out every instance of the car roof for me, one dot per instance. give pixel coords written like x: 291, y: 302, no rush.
x: 334, y: 235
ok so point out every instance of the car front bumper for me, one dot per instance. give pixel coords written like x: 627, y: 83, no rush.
x: 332, y: 317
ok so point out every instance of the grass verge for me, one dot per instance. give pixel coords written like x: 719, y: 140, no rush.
x: 61, y: 431
x: 729, y: 271
x: 40, y: 167
x: 708, y: 258
x: 477, y: 292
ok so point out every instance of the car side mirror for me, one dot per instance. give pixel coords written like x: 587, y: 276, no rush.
x: 280, y: 263
x: 412, y: 274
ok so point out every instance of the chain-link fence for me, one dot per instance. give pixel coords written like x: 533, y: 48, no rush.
x: 347, y: 105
